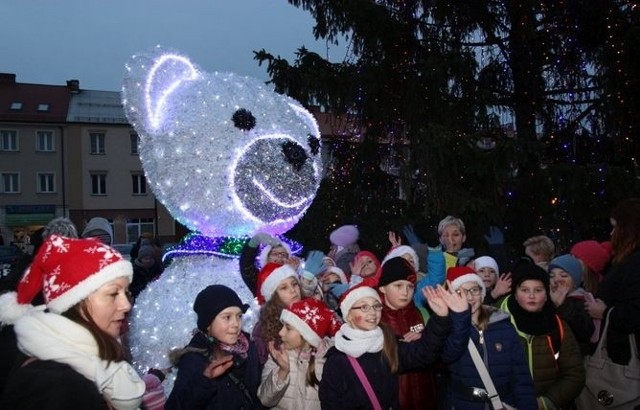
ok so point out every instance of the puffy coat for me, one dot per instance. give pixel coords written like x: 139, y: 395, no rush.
x: 558, y: 376
x: 292, y: 393
x: 500, y: 347
x: 193, y: 390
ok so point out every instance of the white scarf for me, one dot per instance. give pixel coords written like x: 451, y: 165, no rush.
x: 356, y: 342
x: 49, y: 336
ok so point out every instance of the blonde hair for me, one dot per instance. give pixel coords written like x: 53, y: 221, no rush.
x: 451, y: 220
x: 541, y: 245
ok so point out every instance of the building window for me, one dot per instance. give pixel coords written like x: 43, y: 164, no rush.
x: 43, y: 107
x: 16, y: 106
x: 10, y: 183
x: 8, y: 140
x: 97, y: 143
x: 133, y: 138
x: 46, y: 183
x: 98, y: 184
x: 139, y: 184
x: 44, y: 141
x: 136, y: 227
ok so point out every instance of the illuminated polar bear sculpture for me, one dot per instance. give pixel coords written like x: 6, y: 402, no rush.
x: 228, y: 157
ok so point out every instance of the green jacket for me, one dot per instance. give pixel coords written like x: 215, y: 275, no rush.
x: 558, y: 376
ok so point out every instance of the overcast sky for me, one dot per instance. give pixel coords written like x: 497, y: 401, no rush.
x: 52, y: 41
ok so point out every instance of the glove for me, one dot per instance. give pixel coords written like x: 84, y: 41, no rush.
x: 338, y: 289
x: 494, y: 236
x: 411, y: 236
x: 315, y: 263
x: 263, y: 238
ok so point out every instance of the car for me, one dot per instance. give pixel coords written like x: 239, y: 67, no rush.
x: 9, y: 256
x: 124, y: 249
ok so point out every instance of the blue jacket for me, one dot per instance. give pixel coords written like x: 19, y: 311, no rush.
x: 443, y: 338
x: 193, y: 390
x: 501, y: 348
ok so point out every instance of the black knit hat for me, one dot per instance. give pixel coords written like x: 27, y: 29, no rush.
x: 528, y: 271
x: 396, y: 269
x: 213, y: 300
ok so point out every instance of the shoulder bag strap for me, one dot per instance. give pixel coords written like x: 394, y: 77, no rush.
x: 496, y: 403
x: 365, y: 382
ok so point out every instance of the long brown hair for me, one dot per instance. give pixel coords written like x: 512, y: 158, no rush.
x: 390, y: 347
x: 625, y: 238
x: 269, y: 320
x: 109, y: 348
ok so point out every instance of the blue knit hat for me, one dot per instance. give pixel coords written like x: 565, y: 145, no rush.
x: 213, y: 300
x: 569, y: 264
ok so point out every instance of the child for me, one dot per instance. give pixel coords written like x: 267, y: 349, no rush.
x: 291, y: 375
x: 565, y: 277
x: 273, y: 250
x: 496, y: 285
x: 219, y: 368
x: 278, y: 288
x: 498, y: 344
x: 540, y: 249
x: 595, y: 257
x: 396, y: 286
x: 364, y: 353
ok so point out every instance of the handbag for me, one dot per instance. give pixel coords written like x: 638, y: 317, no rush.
x: 493, y: 397
x: 610, y: 385
x: 365, y: 383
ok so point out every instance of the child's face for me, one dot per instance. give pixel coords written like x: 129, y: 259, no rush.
x: 452, y: 239
x: 359, y: 319
x: 278, y: 254
x: 291, y: 338
x: 288, y: 291
x: 368, y: 267
x: 489, y: 276
x: 398, y: 294
x: 560, y: 278
x: 531, y: 295
x: 227, y: 325
x: 409, y: 258
x: 330, y: 278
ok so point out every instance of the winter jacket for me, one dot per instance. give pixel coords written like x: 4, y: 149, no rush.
x: 193, y: 390
x: 45, y: 384
x: 558, y: 374
x: 418, y: 386
x: 620, y: 290
x: 293, y: 393
x: 503, y: 355
x: 573, y: 312
x: 340, y: 387
x: 438, y: 262
x: 248, y: 269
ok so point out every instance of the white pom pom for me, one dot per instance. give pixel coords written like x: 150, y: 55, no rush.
x: 11, y: 310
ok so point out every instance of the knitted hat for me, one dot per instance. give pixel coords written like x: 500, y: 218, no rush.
x: 401, y: 250
x: 98, y: 228
x: 569, y: 264
x: 528, y: 271
x: 60, y: 226
x: 594, y: 254
x: 212, y: 300
x: 353, y: 295
x: 270, y: 277
x: 457, y: 275
x: 486, y: 262
x: 396, y: 269
x: 312, y: 319
x: 264, y: 253
x: 339, y: 272
x: 66, y: 271
x: 345, y: 235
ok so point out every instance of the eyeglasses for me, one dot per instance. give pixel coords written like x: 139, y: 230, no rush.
x: 474, y: 291
x: 366, y: 308
x: 278, y: 254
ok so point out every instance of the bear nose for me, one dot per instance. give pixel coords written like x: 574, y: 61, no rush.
x: 294, y: 154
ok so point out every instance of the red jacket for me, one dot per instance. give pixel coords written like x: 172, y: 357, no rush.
x: 417, y: 388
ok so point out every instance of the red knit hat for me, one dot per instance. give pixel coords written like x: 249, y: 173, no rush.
x: 66, y: 271
x: 269, y: 278
x: 457, y: 275
x: 594, y: 254
x: 312, y: 319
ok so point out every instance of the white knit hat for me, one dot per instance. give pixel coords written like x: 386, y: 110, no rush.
x: 401, y: 250
x: 486, y: 262
x: 336, y: 270
x: 354, y: 294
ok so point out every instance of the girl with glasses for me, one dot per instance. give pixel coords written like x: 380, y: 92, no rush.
x: 362, y: 369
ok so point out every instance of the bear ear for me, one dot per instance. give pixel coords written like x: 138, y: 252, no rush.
x: 149, y: 83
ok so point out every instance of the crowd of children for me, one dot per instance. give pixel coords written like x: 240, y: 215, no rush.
x: 428, y: 325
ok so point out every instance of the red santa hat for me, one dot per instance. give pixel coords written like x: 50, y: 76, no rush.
x: 457, y: 275
x: 66, y: 271
x: 354, y: 294
x: 312, y: 319
x: 270, y: 277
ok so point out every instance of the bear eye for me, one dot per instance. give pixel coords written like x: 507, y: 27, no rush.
x: 314, y: 144
x: 294, y: 154
x: 243, y: 119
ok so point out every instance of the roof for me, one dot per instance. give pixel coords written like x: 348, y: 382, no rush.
x: 97, y: 107
x: 32, y: 102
